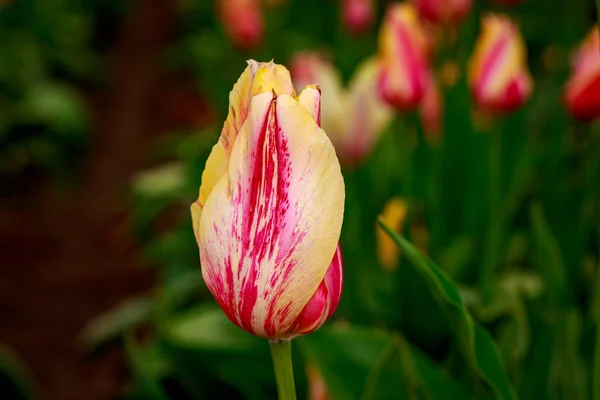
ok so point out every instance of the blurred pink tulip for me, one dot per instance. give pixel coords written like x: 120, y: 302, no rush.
x: 402, y: 58
x: 357, y: 15
x: 498, y: 75
x: 243, y: 21
x: 270, y: 208
x: 582, y: 92
x: 443, y: 11
x: 353, y: 118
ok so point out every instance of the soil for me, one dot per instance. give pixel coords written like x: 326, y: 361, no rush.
x: 67, y: 254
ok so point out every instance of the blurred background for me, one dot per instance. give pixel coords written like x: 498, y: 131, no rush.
x: 108, y: 110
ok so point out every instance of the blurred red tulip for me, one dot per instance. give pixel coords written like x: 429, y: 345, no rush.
x: 402, y: 58
x: 243, y: 21
x: 443, y: 11
x: 497, y: 71
x: 317, y: 390
x: 357, y: 15
x: 582, y: 92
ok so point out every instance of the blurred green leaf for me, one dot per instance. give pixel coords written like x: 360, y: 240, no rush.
x: 482, y: 350
x: 112, y: 324
x: 371, y: 364
x: 15, y: 379
x: 550, y: 258
x: 142, y: 371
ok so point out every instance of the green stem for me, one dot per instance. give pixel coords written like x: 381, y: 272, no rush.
x: 492, y: 253
x: 281, y: 352
x: 596, y: 388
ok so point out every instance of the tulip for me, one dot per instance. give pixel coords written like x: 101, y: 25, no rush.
x: 393, y: 214
x: 582, y: 92
x: 497, y: 72
x: 430, y: 109
x: 354, y: 118
x: 243, y: 21
x: 270, y: 207
x: 317, y: 390
x: 443, y: 11
x: 357, y: 15
x: 402, y: 58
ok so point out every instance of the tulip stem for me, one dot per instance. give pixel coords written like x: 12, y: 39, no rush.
x: 281, y: 352
x: 494, y: 236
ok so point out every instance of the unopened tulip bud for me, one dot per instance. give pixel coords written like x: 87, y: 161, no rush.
x: 357, y: 15
x: 354, y: 118
x: 269, y: 212
x: 582, y: 92
x: 243, y: 21
x: 402, y: 58
x: 498, y: 74
x: 443, y: 11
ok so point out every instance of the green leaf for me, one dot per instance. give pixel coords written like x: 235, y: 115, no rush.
x: 370, y: 364
x: 142, y: 370
x: 550, y: 257
x: 479, y: 345
x: 15, y: 378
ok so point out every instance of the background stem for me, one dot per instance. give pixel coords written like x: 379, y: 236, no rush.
x: 492, y: 248
x: 281, y: 352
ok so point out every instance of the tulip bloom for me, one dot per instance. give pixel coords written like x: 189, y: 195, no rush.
x: 443, y: 11
x: 582, y: 92
x: 357, y: 15
x: 497, y: 71
x: 243, y: 21
x: 354, y: 118
x: 402, y: 58
x: 270, y: 207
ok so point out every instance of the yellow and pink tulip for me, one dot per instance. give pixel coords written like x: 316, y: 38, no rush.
x: 582, y: 92
x: 498, y: 76
x: 270, y: 207
x: 403, y: 58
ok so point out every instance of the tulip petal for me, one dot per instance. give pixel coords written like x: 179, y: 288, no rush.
x: 272, y: 222
x: 310, y: 99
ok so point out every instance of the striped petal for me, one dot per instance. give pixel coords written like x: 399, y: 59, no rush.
x: 272, y: 222
x: 256, y: 78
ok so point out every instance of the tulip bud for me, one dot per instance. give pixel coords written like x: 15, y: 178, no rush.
x: 394, y: 215
x: 243, y: 21
x: 582, y: 92
x: 270, y: 208
x: 357, y: 15
x: 354, y: 118
x: 430, y: 109
x: 443, y: 11
x: 497, y: 72
x: 402, y: 58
